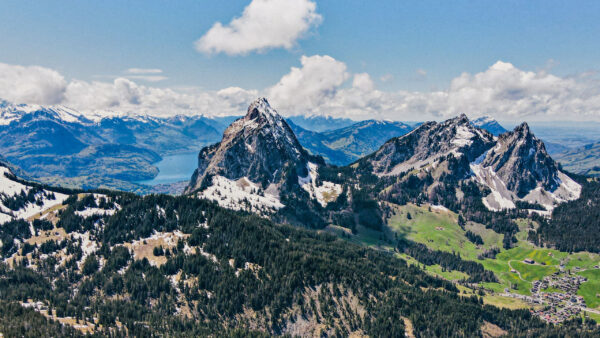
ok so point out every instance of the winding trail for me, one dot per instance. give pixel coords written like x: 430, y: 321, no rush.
x: 518, y: 272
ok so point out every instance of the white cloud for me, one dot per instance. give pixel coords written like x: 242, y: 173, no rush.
x: 310, y: 86
x: 386, y: 77
x: 149, y: 78
x: 502, y: 91
x: 31, y: 84
x: 323, y: 85
x: 264, y: 24
x: 144, y: 71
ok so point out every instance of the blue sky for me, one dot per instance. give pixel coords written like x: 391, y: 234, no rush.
x: 402, y: 45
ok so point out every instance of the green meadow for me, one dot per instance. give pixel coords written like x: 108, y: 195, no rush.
x: 438, y: 229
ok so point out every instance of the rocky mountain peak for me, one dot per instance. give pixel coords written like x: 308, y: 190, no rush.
x: 259, y: 147
x: 461, y: 119
x: 260, y: 108
x: 430, y: 144
x: 523, y: 130
x: 518, y: 167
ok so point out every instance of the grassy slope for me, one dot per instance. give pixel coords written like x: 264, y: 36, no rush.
x: 439, y: 230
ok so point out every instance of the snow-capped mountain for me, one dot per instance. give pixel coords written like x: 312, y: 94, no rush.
x: 519, y: 168
x: 428, y: 146
x: 514, y: 167
x: 59, y: 145
x: 259, y: 160
x: 259, y: 146
x: 10, y: 112
x: 490, y: 124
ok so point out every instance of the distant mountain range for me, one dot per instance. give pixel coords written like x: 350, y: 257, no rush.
x: 429, y: 229
x: 345, y: 145
x: 583, y: 160
x: 320, y: 123
x: 488, y: 123
x: 62, y: 146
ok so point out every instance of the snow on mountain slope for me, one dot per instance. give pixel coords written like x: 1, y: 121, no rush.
x: 428, y: 144
x: 325, y: 192
x: 490, y: 124
x: 518, y: 168
x: 10, y: 112
x: 242, y: 194
x: 11, y: 191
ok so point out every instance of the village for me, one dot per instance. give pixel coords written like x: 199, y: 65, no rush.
x: 557, y: 294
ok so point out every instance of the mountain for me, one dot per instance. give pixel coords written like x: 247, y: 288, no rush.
x: 488, y: 123
x: 583, y: 160
x: 61, y: 146
x: 346, y: 145
x: 260, y: 166
x: 111, y: 263
x: 519, y: 168
x: 260, y: 146
x: 429, y: 145
x: 316, y: 144
x: 318, y: 123
x: 514, y: 167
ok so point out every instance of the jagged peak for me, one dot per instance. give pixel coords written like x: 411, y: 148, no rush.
x: 259, y: 107
x: 523, y: 129
x: 461, y: 119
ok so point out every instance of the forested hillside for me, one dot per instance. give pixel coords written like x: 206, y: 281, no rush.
x: 117, y: 262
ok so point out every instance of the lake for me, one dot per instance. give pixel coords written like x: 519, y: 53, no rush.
x: 174, y: 168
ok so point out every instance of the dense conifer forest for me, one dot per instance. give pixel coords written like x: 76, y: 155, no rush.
x: 230, y: 271
x: 575, y: 225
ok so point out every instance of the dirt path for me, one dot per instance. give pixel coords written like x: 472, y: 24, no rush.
x: 518, y: 272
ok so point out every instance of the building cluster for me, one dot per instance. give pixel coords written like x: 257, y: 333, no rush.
x: 560, y: 306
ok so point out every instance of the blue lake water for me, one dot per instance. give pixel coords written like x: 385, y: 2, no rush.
x: 174, y: 168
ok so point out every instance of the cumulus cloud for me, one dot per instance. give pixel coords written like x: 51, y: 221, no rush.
x: 324, y: 85
x: 31, y: 84
x: 502, y: 90
x: 310, y: 86
x: 264, y: 24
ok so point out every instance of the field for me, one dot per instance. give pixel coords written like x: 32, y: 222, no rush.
x: 438, y: 229
x: 590, y: 290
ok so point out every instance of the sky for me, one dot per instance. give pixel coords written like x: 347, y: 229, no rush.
x: 397, y: 60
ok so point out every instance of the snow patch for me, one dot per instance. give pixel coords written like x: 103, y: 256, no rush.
x: 325, y: 193
x: 10, y: 188
x: 242, y: 194
x: 463, y: 136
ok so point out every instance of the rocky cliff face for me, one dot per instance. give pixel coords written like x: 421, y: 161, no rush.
x: 519, y: 168
x: 428, y: 145
x: 260, y: 147
x: 521, y: 161
x: 514, y: 167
